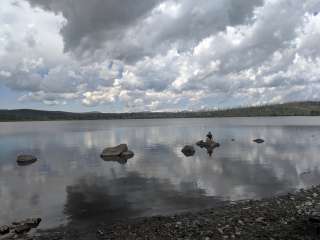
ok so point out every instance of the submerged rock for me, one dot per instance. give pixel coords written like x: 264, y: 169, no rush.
x: 26, y: 159
x: 114, y: 151
x: 258, y: 140
x: 188, y: 150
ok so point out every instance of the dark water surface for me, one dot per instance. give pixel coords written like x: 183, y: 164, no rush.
x: 71, y: 184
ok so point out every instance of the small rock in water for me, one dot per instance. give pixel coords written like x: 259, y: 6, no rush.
x: 26, y: 159
x: 188, y: 150
x: 207, y: 145
x: 258, y: 140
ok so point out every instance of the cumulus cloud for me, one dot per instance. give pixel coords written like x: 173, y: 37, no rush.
x: 161, y: 54
x: 133, y: 29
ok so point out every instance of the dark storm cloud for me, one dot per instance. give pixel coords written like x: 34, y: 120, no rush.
x: 90, y: 22
x: 122, y: 28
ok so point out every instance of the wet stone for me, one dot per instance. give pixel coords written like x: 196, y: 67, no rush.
x: 26, y: 159
x: 188, y: 150
x: 22, y: 228
x: 4, y: 230
x: 258, y: 140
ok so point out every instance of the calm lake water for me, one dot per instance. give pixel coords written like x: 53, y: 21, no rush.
x: 70, y: 183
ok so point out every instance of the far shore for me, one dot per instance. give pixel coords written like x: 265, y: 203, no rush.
x: 276, y: 110
x: 164, y: 118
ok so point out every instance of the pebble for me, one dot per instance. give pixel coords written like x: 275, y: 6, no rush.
x: 240, y: 222
x: 100, y: 232
x: 259, y: 219
x: 220, y: 230
x: 308, y: 203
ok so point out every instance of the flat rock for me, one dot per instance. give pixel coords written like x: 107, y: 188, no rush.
x: 114, y: 151
x: 26, y: 159
x: 258, y: 140
x: 188, y: 150
x: 122, y: 158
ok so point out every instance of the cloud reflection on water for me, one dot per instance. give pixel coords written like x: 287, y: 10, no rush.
x: 70, y: 180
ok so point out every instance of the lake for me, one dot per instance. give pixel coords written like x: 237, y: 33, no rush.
x: 71, y: 184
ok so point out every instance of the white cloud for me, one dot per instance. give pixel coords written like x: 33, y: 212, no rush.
x: 160, y: 58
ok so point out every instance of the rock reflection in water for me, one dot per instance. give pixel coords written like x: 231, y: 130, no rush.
x: 119, y: 159
x: 96, y: 198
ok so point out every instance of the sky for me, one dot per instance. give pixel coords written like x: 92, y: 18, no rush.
x: 157, y: 55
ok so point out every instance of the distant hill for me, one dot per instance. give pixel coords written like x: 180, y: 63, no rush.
x: 286, y: 109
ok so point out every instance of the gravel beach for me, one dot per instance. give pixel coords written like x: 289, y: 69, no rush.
x: 291, y: 216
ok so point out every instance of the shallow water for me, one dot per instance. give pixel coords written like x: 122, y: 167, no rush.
x: 71, y: 184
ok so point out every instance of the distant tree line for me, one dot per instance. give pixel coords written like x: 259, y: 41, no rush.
x: 286, y: 109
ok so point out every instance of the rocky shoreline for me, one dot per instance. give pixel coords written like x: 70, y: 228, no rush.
x: 291, y: 216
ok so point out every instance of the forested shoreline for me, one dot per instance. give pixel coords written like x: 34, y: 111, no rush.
x: 286, y: 109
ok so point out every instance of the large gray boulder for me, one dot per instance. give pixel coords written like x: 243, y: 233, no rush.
x: 26, y: 159
x: 118, y: 154
x: 114, y: 151
x: 188, y: 150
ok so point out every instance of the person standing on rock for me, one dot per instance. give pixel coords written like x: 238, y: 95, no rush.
x: 209, y: 142
x: 209, y: 138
